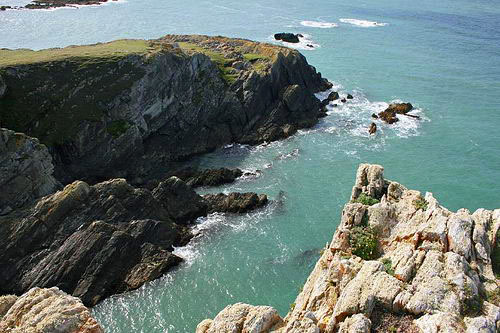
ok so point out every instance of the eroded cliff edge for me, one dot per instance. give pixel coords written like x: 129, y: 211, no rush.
x: 398, y: 262
x: 130, y: 107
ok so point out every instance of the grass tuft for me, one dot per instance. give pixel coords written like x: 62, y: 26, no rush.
x: 364, y: 242
x: 365, y: 199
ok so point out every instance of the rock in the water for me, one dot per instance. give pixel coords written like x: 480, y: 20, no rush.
x: 343, y: 100
x: 333, y: 96
x: 373, y: 128
x: 25, y: 170
x: 48, y: 311
x: 180, y: 200
x: 287, y: 37
x: 90, y: 241
x: 388, y: 117
x: 389, y: 114
x: 374, y: 116
x: 399, y: 108
x: 211, y: 177
x: 349, y: 96
x: 234, y: 202
x: 400, y: 260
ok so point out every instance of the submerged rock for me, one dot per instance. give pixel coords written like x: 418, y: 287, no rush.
x: 25, y: 170
x: 398, y: 259
x: 287, y: 37
x: 46, y: 311
x: 234, y: 202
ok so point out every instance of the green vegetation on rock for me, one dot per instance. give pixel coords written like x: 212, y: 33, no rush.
x: 420, y: 203
x: 365, y: 199
x: 118, y: 127
x: 364, y: 242
x: 495, y: 255
x: 388, y: 266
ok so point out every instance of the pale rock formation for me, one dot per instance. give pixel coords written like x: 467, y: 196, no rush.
x: 46, y: 311
x: 430, y: 271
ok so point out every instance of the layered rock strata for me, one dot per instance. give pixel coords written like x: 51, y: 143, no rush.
x: 96, y: 241
x: 25, y: 170
x: 398, y: 262
x: 129, y: 108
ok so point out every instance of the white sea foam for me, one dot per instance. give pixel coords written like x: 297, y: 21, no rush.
x: 362, y: 23
x: 316, y: 24
x: 354, y: 117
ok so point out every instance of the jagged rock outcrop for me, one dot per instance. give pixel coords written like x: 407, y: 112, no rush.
x: 100, y: 240
x: 25, y: 170
x: 129, y: 108
x: 234, y: 202
x: 401, y: 262
x: 210, y: 177
x: 90, y: 241
x: 45, y: 311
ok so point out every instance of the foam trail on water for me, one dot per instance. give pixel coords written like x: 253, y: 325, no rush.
x: 316, y: 24
x: 362, y: 23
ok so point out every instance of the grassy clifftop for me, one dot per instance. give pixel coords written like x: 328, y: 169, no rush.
x: 111, y: 50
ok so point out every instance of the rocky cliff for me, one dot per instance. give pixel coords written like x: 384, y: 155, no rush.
x: 398, y: 262
x: 129, y: 108
x: 25, y: 170
x: 45, y: 311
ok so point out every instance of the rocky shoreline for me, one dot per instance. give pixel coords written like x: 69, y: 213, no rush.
x: 398, y: 262
x: 90, y: 201
x: 129, y: 108
x: 49, y: 4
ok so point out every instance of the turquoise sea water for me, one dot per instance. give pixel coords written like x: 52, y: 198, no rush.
x: 443, y: 56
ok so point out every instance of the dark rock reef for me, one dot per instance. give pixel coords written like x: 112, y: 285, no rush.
x: 235, y: 202
x: 96, y: 241
x: 210, y: 177
x: 130, y: 108
x: 25, y: 170
x: 287, y: 37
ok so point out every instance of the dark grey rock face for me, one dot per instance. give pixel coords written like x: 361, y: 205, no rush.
x: 235, y: 202
x: 90, y: 241
x: 25, y: 170
x: 134, y: 116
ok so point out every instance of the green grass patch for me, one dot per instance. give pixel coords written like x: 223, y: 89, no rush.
x: 223, y: 63
x: 388, y: 266
x: 115, y: 49
x: 118, y: 127
x: 420, y: 203
x: 252, y: 57
x: 365, y: 199
x: 364, y: 242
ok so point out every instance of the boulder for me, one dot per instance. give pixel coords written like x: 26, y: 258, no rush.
x: 333, y: 96
x: 388, y: 117
x: 287, y: 37
x: 242, y: 318
x: 182, y: 203
x: 399, y: 108
x: 48, y: 311
x: 343, y: 100
x: 373, y: 128
x: 25, y: 170
x: 234, y: 202
x: 211, y: 177
x: 349, y: 96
